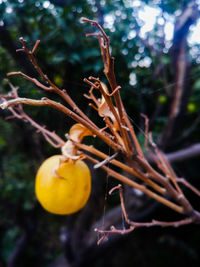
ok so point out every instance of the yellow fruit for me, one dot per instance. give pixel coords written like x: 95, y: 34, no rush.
x: 69, y: 191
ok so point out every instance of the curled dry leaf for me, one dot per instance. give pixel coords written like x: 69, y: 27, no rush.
x: 77, y: 133
x: 104, y: 110
x: 69, y: 152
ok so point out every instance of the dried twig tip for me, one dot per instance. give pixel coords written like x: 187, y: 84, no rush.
x: 83, y: 19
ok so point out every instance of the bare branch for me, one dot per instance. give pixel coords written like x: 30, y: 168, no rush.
x: 142, y: 188
x: 105, y: 161
x: 110, y: 75
x: 160, y: 184
x: 134, y: 171
x: 63, y: 109
x: 134, y: 225
x: 52, y: 86
x: 33, y: 80
x: 187, y: 184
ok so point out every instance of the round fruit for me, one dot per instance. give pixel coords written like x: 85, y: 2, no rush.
x: 68, y: 190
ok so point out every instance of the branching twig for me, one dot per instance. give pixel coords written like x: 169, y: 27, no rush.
x: 52, y: 86
x: 135, y: 172
x: 19, y: 113
x: 105, y: 161
x: 142, y: 188
x: 110, y: 74
x: 65, y: 110
x: 134, y: 225
x: 187, y: 184
x: 161, y: 184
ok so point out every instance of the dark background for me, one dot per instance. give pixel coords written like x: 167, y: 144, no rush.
x: 150, y: 70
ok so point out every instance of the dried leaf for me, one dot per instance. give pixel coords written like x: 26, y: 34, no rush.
x: 104, y: 110
x: 77, y: 132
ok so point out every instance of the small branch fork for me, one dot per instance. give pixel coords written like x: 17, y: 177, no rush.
x: 161, y: 184
x: 18, y: 113
x: 108, y: 61
x: 134, y: 225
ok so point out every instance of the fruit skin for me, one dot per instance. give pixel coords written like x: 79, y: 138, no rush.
x: 64, y: 195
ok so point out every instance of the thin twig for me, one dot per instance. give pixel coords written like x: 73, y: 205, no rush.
x: 65, y: 110
x: 110, y: 75
x: 52, y: 86
x: 187, y: 184
x: 122, y: 166
x: 142, y: 188
x: 180, y: 198
x: 19, y: 113
x: 133, y: 224
x: 105, y: 161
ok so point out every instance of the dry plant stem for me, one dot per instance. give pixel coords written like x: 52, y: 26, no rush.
x: 146, y: 131
x: 94, y: 107
x: 110, y: 75
x: 120, y: 108
x: 52, y: 87
x: 65, y: 110
x: 112, y: 230
x: 142, y: 188
x: 105, y: 161
x: 33, y: 80
x: 153, y: 222
x: 187, y: 184
x: 122, y: 166
x: 133, y: 224
x: 49, y: 136
x: 163, y: 224
x: 92, y: 97
x: 109, y: 72
x: 116, y: 90
x: 162, y: 162
x: 123, y: 131
x: 108, y: 100
x: 133, y: 135
x: 119, y: 187
x: 106, y: 119
x: 179, y: 198
x: 55, y: 89
x: 115, y: 134
x: 19, y: 113
x: 156, y: 185
x: 167, y: 169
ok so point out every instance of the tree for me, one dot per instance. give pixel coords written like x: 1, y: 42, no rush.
x: 159, y: 71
